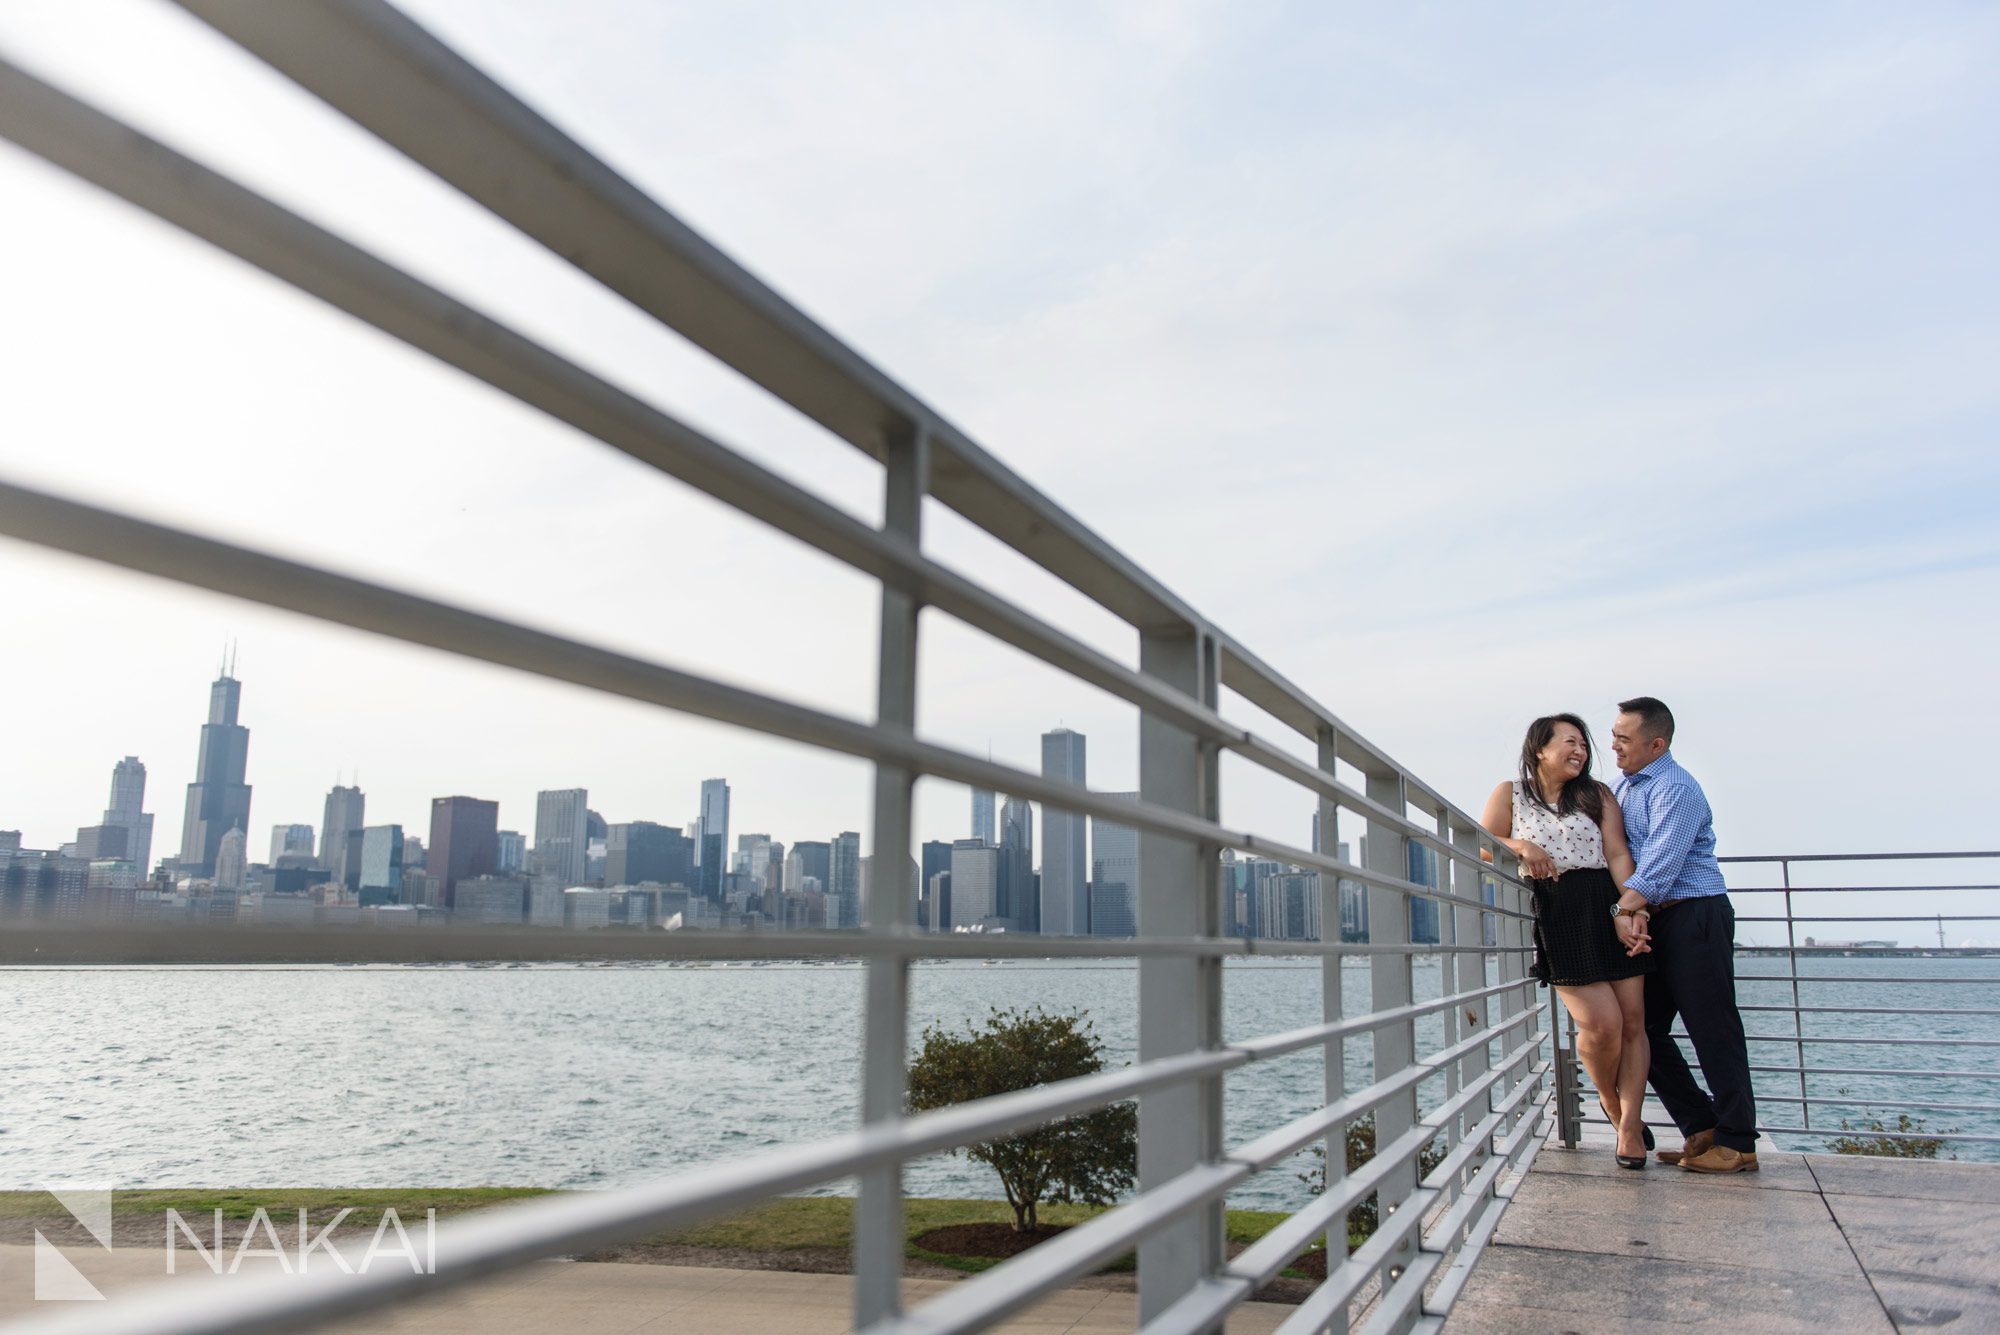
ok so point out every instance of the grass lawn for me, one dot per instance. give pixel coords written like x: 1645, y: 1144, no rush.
x: 786, y: 1224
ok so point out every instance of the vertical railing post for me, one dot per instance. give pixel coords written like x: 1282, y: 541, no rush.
x: 1180, y: 1000
x: 891, y: 906
x: 1512, y: 935
x: 1468, y: 967
x: 1798, y: 1019
x: 1333, y: 1005
x: 1392, y: 985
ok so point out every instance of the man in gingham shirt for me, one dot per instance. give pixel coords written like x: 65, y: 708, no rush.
x: 1693, y: 933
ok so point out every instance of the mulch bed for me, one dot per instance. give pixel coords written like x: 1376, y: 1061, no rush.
x: 994, y: 1240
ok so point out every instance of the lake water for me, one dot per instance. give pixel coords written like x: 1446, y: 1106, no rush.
x: 567, y: 1076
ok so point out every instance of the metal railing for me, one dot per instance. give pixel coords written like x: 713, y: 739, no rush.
x: 1818, y: 1012
x: 1482, y: 1087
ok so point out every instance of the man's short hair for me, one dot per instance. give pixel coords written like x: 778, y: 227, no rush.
x: 1654, y: 717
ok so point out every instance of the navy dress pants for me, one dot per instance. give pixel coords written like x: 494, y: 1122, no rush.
x: 1694, y: 977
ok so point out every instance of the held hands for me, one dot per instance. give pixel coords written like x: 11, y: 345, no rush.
x: 1634, y: 931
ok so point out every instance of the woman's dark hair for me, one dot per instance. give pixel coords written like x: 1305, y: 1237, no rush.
x: 1579, y: 794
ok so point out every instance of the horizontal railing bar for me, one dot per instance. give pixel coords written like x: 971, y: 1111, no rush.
x: 35, y: 946
x: 396, y: 80
x: 1262, y: 685
x: 1405, y: 1296
x: 1834, y: 978
x: 1887, y: 1042
x: 1849, y: 889
x: 1284, y: 1141
x: 1899, y: 1105
x: 1878, y: 1070
x: 1927, y: 1013
x: 1313, y: 1035
x: 1877, y: 917
x: 1850, y: 857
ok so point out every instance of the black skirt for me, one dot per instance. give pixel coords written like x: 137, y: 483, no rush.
x: 1575, y: 941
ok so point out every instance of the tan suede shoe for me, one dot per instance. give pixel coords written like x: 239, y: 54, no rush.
x: 1721, y: 1159
x: 1695, y: 1145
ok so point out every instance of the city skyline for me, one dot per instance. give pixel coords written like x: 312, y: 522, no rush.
x: 1100, y: 903
x: 465, y: 841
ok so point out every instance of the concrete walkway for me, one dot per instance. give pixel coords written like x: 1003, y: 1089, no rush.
x: 1817, y: 1243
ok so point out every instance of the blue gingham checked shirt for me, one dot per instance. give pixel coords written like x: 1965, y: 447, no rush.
x: 1668, y: 824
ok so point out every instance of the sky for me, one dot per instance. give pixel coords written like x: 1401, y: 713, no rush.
x: 1466, y: 363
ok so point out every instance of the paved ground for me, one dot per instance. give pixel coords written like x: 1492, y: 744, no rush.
x: 575, y: 1298
x: 1817, y: 1243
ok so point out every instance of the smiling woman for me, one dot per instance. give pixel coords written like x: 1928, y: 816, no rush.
x: 1565, y: 827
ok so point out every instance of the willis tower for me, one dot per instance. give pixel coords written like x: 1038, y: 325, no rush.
x: 218, y: 800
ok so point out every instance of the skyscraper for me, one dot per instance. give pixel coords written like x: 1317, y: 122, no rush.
x: 982, y: 817
x: 291, y: 841
x: 126, y: 832
x: 382, y: 864
x: 513, y: 852
x: 814, y: 858
x: 754, y: 850
x: 843, y: 884
x: 465, y: 842
x: 975, y: 885
x: 1014, y: 897
x: 340, y: 834
x: 1114, y: 876
x: 231, y: 859
x: 936, y: 858
x: 713, y: 852
x: 1065, y: 900
x: 218, y: 800
x: 562, y: 822
x: 643, y: 851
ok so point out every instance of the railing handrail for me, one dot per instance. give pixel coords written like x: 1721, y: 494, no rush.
x: 1850, y: 857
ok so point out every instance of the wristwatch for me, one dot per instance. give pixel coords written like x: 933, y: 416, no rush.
x: 1618, y: 910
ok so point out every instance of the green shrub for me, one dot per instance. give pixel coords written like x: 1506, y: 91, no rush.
x: 1867, y: 1136
x: 1087, y: 1159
